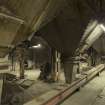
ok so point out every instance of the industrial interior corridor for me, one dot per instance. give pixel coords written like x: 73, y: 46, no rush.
x: 52, y: 52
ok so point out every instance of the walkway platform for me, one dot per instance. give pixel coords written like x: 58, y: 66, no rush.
x: 91, y: 94
x: 56, y: 95
x: 41, y: 93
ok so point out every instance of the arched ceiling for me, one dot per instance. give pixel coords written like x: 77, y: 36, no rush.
x: 67, y: 29
x: 23, y: 17
x: 60, y: 22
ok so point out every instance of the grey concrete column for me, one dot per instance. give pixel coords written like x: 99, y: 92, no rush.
x: 22, y: 70
x: 21, y: 59
x: 69, y: 70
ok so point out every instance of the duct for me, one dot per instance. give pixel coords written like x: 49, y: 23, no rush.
x: 83, y: 48
x: 51, y: 10
x: 9, y: 27
x: 89, y: 29
x: 96, y: 33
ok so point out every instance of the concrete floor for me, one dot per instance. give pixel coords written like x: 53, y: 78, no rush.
x: 91, y: 94
x: 31, y: 74
x: 37, y: 88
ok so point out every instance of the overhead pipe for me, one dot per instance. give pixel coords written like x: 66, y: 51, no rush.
x: 91, y: 26
x: 95, y: 34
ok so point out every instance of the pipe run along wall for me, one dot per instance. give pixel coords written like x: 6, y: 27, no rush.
x: 95, y: 34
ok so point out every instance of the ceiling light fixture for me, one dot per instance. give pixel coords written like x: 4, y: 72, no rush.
x: 36, y: 46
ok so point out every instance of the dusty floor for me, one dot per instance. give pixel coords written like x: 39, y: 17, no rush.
x: 31, y: 74
x: 31, y: 87
x: 91, y: 94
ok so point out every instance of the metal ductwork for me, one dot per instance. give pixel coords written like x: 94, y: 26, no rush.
x: 92, y: 24
x: 95, y: 34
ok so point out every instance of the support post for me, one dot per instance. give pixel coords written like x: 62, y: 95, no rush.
x: 56, y: 65
x: 21, y: 61
x: 21, y: 69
